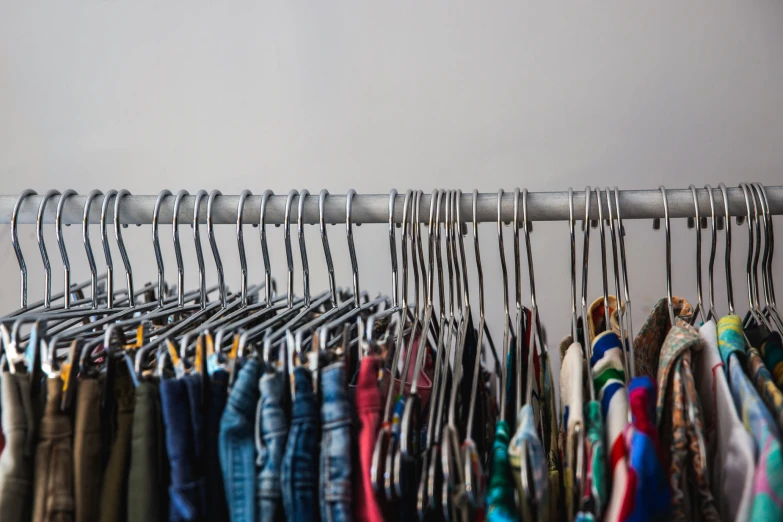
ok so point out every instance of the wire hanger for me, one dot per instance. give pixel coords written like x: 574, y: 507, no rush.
x: 766, y: 271
x: 378, y: 471
x: 588, y: 345
x: 753, y: 257
x: 668, y: 255
x: 58, y: 228
x: 42, y: 247
x: 626, y: 288
x: 473, y: 474
x: 620, y: 293
x: 696, y: 223
x: 727, y: 222
x: 713, y: 243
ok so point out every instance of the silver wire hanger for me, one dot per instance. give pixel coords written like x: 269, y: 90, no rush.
x: 58, y: 228
x: 626, y: 288
x: 380, y: 469
x: 327, y: 251
x: 672, y: 320
x: 752, y: 262
x: 473, y: 473
x: 42, y: 247
x: 588, y: 345
x: 620, y: 294
x: 121, y: 245
x: 713, y: 243
x: 696, y: 222
x: 766, y: 271
x: 727, y: 258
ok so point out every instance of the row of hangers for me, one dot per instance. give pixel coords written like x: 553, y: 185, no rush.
x: 289, y: 332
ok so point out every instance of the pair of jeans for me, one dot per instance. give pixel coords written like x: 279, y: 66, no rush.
x: 149, y: 473
x: 16, y: 461
x: 271, y: 441
x: 186, y: 492
x: 88, y: 450
x: 53, y: 486
x: 217, y: 395
x: 237, y: 446
x: 300, y: 464
x: 336, y: 487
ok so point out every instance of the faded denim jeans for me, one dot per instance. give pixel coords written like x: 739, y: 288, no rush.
x: 271, y: 435
x: 299, y: 473
x: 237, y: 446
x: 336, y: 487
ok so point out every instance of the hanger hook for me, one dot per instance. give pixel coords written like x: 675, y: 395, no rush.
x: 667, y: 226
x: 713, y: 244
x: 461, y: 244
x: 213, y: 244
x: 351, y: 248
x: 626, y: 288
x: 88, y: 247
x: 303, y: 247
x: 287, y: 239
x: 696, y: 221
x: 431, y: 246
x: 571, y: 230
x: 479, y: 269
x: 751, y: 280
x: 585, y: 264
x: 327, y: 251
x: 42, y: 246
x: 769, y: 244
x: 106, y: 249
x: 241, y: 246
x: 178, y: 248
x: 604, y: 261
x: 17, y: 247
x: 202, y: 276
x: 517, y: 254
x: 438, y: 253
x: 121, y: 245
x: 727, y: 223
x: 156, y: 245
x: 502, y: 249
x: 265, y: 248
x: 393, y: 250
x: 58, y: 228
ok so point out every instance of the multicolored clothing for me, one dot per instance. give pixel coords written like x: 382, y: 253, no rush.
x: 549, y: 420
x: 678, y: 409
x: 572, y: 401
x: 596, y: 492
x: 766, y: 387
x: 526, y: 446
x: 500, y: 494
x: 768, y: 480
x: 609, y: 382
x: 772, y: 352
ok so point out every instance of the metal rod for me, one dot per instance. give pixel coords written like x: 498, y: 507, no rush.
x: 374, y: 208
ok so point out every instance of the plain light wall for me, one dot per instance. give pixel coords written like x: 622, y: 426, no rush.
x: 277, y: 95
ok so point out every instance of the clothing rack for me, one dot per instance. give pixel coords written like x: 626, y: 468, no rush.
x: 374, y: 208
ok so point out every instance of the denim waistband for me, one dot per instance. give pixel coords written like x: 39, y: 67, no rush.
x: 244, y: 394
x: 305, y: 406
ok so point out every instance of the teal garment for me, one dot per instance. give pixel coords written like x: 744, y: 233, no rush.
x: 500, y: 495
x: 768, y: 478
x: 597, y: 475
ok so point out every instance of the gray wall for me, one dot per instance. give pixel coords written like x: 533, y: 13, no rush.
x: 170, y: 94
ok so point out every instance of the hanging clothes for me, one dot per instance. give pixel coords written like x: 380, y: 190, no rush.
x: 17, y: 460
x: 88, y: 449
x: 572, y: 401
x: 271, y: 436
x: 368, y: 408
x: 678, y: 408
x: 53, y: 486
x: 729, y: 446
x: 768, y: 480
x: 772, y: 352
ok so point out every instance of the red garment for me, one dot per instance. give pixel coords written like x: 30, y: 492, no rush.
x: 368, y: 408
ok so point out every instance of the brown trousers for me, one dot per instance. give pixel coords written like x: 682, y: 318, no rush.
x: 53, y: 486
x: 88, y: 450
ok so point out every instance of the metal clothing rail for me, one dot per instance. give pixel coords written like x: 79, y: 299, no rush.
x: 374, y: 208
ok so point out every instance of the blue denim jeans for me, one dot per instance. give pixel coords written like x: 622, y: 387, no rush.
x: 237, y: 446
x: 271, y: 440
x: 336, y: 487
x: 217, y: 395
x: 187, y: 489
x: 299, y: 473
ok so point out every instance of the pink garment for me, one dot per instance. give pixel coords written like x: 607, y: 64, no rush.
x: 368, y: 408
x: 425, y: 382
